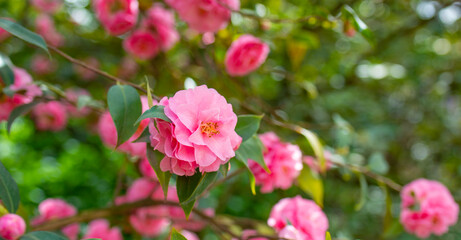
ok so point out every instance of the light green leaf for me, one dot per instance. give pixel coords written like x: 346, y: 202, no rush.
x: 42, y: 235
x: 163, y: 177
x: 328, y: 236
x: 378, y: 163
x: 124, y: 107
x: 19, y: 111
x: 9, y: 192
x: 190, y: 187
x: 247, y: 125
x: 363, y: 192
x: 6, y: 70
x: 252, y: 149
x: 23, y: 33
x: 175, y: 235
x: 360, y: 26
x: 156, y: 111
x: 311, y: 184
x: 316, y: 146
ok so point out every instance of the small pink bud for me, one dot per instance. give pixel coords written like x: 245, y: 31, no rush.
x: 12, y: 226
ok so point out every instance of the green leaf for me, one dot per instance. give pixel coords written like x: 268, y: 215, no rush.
x: 252, y: 149
x: 23, y: 33
x: 144, y: 137
x: 247, y: 126
x: 378, y: 164
x: 163, y: 177
x: 19, y: 111
x: 360, y: 26
x: 363, y: 192
x: 9, y: 192
x: 156, y: 111
x: 224, y: 169
x: 6, y: 70
x: 42, y: 235
x: 315, y: 144
x: 124, y: 107
x: 175, y: 235
x: 190, y: 187
x: 311, y: 184
x: 328, y: 236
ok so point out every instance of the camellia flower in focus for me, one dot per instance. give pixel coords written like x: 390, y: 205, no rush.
x: 245, y: 55
x: 201, y: 133
x: 205, y: 15
x: 45, y: 27
x: 117, y: 16
x: 12, y: 226
x: 427, y: 208
x: 306, y: 218
x: 52, y: 209
x: 282, y: 159
x: 51, y: 115
x: 47, y: 6
x: 101, y: 229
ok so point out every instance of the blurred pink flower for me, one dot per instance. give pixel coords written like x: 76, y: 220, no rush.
x: 52, y: 209
x: 282, y: 159
x: 42, y: 65
x: 47, y: 6
x: 314, y: 164
x: 101, y: 229
x: 12, y: 226
x: 205, y: 15
x: 246, y: 235
x: 146, y: 169
x: 208, y: 38
x: 304, y: 215
x: 201, y: 133
x: 117, y: 16
x: 427, y: 208
x: 162, y: 23
x: 128, y: 68
x: 87, y: 74
x: 245, y: 55
x: 142, y: 44
x: 3, y: 34
x: 51, y: 116
x: 45, y: 27
x: 72, y: 95
x: 189, y: 235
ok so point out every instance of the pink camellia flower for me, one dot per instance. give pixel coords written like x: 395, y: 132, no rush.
x: 51, y: 116
x: 117, y: 16
x: 87, y: 74
x: 146, y: 169
x: 101, y: 229
x: 142, y: 44
x: 161, y: 21
x: 189, y: 235
x: 314, y: 164
x: 72, y: 95
x: 45, y: 27
x: 52, y: 209
x: 47, y: 6
x: 201, y: 133
x: 12, y: 226
x: 205, y: 15
x: 42, y: 65
x: 3, y: 34
x: 245, y: 55
x: 246, y: 235
x: 304, y: 215
x: 282, y: 159
x: 427, y: 208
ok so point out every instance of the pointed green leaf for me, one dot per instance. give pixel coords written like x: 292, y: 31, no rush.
x: 6, y: 70
x: 42, y: 235
x: 124, y: 107
x: 252, y: 149
x: 19, y: 111
x: 156, y: 111
x: 23, y: 33
x: 328, y: 236
x: 311, y: 184
x: 9, y: 192
x: 247, y: 126
x: 224, y: 169
x: 316, y: 146
x: 175, y: 235
x: 190, y: 187
x: 363, y: 192
x: 144, y: 137
x: 163, y: 177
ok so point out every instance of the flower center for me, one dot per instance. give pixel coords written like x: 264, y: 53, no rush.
x: 209, y: 128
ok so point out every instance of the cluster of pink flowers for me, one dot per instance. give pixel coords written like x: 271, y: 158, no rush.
x: 299, y: 219
x: 201, y: 132
x: 427, y: 208
x: 100, y: 228
x: 12, y: 226
x: 117, y: 16
x: 45, y: 27
x: 245, y: 55
x: 282, y: 159
x: 52, y: 209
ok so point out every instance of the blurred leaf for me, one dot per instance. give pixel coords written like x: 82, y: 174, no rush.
x: 315, y: 144
x: 85, y: 100
x: 124, y: 107
x: 296, y: 52
x: 328, y: 236
x: 42, y: 235
x: 6, y: 70
x: 247, y: 126
x: 163, y: 177
x: 9, y: 192
x: 156, y: 111
x: 19, y: 111
x: 190, y: 187
x: 144, y: 137
x: 175, y: 235
x: 252, y: 149
x: 224, y: 169
x: 350, y: 14
x: 363, y: 192
x: 23, y: 33
x: 311, y: 184
x: 378, y: 164
x: 3, y: 210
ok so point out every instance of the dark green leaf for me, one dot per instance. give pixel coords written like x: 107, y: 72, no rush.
x: 175, y: 235
x: 311, y: 184
x: 42, y: 235
x: 190, y: 187
x: 23, y: 33
x: 163, y: 177
x: 247, y: 126
x: 19, y: 111
x: 144, y: 137
x: 124, y: 107
x: 252, y: 149
x: 156, y: 111
x: 363, y: 192
x: 6, y: 70
x: 359, y: 25
x: 9, y: 192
